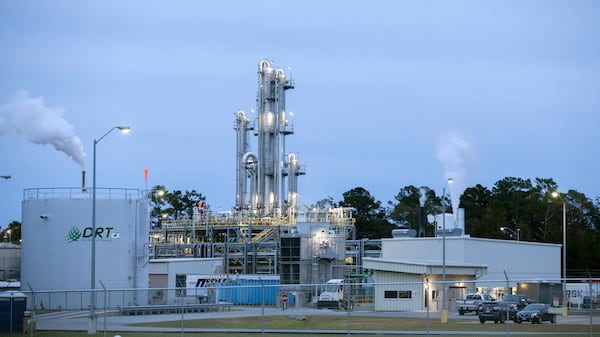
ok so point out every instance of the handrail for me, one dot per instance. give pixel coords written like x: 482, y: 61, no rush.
x: 79, y: 193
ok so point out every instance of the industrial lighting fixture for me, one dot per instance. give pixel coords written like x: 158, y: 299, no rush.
x: 8, y: 235
x: 555, y: 195
x: 511, y: 232
x: 444, y: 315
x: 92, y: 319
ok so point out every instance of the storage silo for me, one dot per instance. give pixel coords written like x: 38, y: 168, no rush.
x: 57, y: 241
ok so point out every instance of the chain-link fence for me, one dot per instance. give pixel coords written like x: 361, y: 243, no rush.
x: 351, y: 300
x: 575, y: 294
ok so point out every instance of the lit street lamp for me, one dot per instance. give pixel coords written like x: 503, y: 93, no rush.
x: 92, y: 321
x: 564, y: 257
x: 8, y: 235
x: 512, y: 232
x: 6, y: 177
x: 444, y: 314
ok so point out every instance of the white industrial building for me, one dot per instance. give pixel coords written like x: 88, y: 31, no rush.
x: 10, y: 261
x: 175, y: 273
x: 408, y: 272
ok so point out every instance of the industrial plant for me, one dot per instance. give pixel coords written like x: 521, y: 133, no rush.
x: 265, y: 236
x: 265, y: 233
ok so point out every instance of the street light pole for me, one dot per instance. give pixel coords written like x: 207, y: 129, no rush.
x: 92, y: 324
x: 512, y: 232
x: 444, y: 313
x: 6, y: 177
x: 565, y: 311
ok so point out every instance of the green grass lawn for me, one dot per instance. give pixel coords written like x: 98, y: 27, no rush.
x: 366, y: 323
x: 340, y: 323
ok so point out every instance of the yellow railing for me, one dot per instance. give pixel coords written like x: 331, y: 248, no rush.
x: 264, y: 234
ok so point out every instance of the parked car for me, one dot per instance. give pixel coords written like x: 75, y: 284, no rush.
x: 497, y: 312
x: 536, y: 313
x: 510, y: 308
x: 491, y: 311
x: 472, y: 303
x: 520, y: 301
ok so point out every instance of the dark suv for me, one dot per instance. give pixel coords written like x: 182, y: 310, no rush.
x: 497, y: 312
x: 536, y: 313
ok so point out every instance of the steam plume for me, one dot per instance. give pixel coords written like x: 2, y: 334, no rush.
x: 422, y: 196
x: 453, y: 152
x: 41, y: 125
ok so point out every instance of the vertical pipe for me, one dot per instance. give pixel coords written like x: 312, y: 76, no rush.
x: 262, y: 306
x: 444, y: 314
x: 92, y: 320
x: 421, y: 232
x: 564, y: 261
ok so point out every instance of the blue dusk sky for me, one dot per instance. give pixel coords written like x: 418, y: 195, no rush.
x: 388, y: 93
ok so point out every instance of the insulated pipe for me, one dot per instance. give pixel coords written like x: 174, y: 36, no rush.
x: 249, y: 162
x: 241, y: 127
x: 264, y: 64
x: 292, y: 197
x: 260, y: 190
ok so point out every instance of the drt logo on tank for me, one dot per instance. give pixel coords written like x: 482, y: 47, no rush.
x: 103, y: 233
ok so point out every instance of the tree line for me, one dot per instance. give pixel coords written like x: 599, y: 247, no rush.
x: 530, y: 210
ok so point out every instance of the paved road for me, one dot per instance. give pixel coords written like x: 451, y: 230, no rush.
x: 78, y: 321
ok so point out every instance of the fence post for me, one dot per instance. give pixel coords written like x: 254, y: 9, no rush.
x: 348, y: 289
x: 262, y: 306
x: 591, y: 302
x: 427, y: 301
x: 103, y: 287
x: 182, y: 316
x: 32, y: 320
x: 508, y: 306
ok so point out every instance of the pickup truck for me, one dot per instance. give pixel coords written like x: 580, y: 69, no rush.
x: 472, y: 303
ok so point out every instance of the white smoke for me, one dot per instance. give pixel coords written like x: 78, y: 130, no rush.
x: 41, y: 125
x: 422, y: 196
x: 454, y: 152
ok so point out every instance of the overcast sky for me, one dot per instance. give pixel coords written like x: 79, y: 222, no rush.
x: 388, y: 93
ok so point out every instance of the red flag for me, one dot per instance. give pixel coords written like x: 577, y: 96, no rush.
x: 145, y: 173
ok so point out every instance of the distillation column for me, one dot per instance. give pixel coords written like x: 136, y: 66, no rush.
x: 293, y: 171
x: 271, y: 128
x: 260, y: 177
x: 244, y: 160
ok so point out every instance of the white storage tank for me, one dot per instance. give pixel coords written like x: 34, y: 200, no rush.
x: 57, y: 240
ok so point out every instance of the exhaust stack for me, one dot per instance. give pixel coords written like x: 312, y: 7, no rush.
x: 421, y: 222
x: 82, y: 181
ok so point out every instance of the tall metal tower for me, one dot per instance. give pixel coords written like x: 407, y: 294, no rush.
x: 266, y: 171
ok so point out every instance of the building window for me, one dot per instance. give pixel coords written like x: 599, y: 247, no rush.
x: 180, y: 283
x: 404, y: 294
x: 290, y: 260
x: 390, y: 294
x: 397, y: 294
